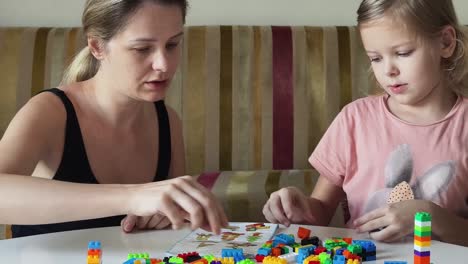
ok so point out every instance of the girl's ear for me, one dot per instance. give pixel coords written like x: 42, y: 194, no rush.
x: 434, y: 182
x: 96, y: 48
x: 448, y: 41
x: 399, y: 166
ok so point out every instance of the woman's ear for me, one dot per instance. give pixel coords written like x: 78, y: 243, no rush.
x: 96, y: 47
x: 448, y: 41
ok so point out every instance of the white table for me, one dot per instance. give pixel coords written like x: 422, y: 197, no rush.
x: 70, y: 247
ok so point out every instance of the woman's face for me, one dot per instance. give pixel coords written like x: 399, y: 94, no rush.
x: 141, y: 60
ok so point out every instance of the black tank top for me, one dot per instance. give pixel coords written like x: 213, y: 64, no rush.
x: 75, y: 167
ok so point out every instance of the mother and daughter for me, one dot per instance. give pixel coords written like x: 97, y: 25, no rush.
x: 115, y: 155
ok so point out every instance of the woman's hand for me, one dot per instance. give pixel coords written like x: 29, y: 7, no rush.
x: 132, y: 222
x: 178, y: 199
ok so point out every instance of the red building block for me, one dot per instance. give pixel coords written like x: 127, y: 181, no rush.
x: 303, y: 233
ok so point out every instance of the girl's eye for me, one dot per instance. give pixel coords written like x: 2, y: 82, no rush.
x: 404, y: 54
x: 376, y: 59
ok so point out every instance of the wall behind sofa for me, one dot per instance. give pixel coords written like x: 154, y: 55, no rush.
x: 205, y: 12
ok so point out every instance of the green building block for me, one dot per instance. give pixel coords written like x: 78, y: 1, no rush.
x: 423, y: 217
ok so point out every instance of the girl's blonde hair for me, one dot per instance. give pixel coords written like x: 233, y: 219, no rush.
x: 103, y: 19
x: 426, y: 18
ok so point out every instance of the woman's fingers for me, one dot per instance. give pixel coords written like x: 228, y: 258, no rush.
x: 128, y: 223
x: 206, y: 208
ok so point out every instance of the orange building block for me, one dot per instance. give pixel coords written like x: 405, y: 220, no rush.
x: 303, y: 233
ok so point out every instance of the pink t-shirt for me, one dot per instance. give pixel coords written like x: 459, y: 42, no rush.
x: 367, y: 151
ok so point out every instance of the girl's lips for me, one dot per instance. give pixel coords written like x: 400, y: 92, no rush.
x: 398, y: 89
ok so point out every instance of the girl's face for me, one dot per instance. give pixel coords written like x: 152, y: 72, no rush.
x: 408, y: 69
x: 142, y: 59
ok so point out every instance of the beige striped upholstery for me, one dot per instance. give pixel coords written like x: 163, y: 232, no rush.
x: 253, y: 100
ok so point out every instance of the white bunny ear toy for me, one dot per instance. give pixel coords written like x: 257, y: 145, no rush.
x: 398, y: 173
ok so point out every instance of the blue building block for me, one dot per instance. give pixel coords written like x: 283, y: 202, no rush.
x: 284, y: 239
x: 339, y: 251
x: 232, y: 252
x: 339, y: 259
x: 367, y: 245
x: 264, y: 251
x: 370, y: 258
x: 94, y: 245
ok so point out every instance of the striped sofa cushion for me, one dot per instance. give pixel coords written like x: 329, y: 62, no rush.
x: 250, y: 97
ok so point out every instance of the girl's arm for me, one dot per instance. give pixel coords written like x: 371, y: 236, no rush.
x: 289, y: 205
x: 325, y: 198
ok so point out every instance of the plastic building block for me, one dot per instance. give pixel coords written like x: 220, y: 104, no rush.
x: 189, y: 256
x: 137, y: 255
x: 284, y: 239
x: 303, y: 233
x: 311, y: 241
x: 264, y: 251
x: 274, y: 260
x: 199, y: 261
x: 339, y: 259
x: 259, y: 258
x: 290, y: 257
x: 232, y: 252
x: 395, y: 262
x: 94, y: 253
x: 423, y: 217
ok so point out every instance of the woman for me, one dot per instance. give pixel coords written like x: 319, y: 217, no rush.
x: 107, y: 124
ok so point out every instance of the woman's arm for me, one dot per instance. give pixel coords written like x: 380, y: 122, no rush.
x: 32, y: 200
x: 177, y: 142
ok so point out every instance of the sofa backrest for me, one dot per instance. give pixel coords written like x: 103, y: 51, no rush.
x: 250, y: 97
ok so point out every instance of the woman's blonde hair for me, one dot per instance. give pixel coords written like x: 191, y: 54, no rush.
x: 426, y: 18
x: 103, y: 19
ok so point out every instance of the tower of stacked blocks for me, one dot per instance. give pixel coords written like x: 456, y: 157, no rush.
x: 94, y: 253
x: 422, y: 238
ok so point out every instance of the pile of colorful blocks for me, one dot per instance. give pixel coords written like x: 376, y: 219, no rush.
x: 283, y: 249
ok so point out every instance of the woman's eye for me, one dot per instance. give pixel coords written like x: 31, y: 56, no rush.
x: 142, y: 50
x: 172, y: 45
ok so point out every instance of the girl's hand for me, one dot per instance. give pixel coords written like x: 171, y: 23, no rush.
x: 132, y: 222
x: 178, y: 199
x: 289, y: 205
x: 393, y: 221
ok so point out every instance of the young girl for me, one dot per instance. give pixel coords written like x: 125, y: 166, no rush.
x: 106, y: 124
x: 402, y: 152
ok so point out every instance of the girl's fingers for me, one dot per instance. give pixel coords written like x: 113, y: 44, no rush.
x: 268, y: 214
x: 388, y: 234
x: 277, y: 209
x: 377, y: 213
